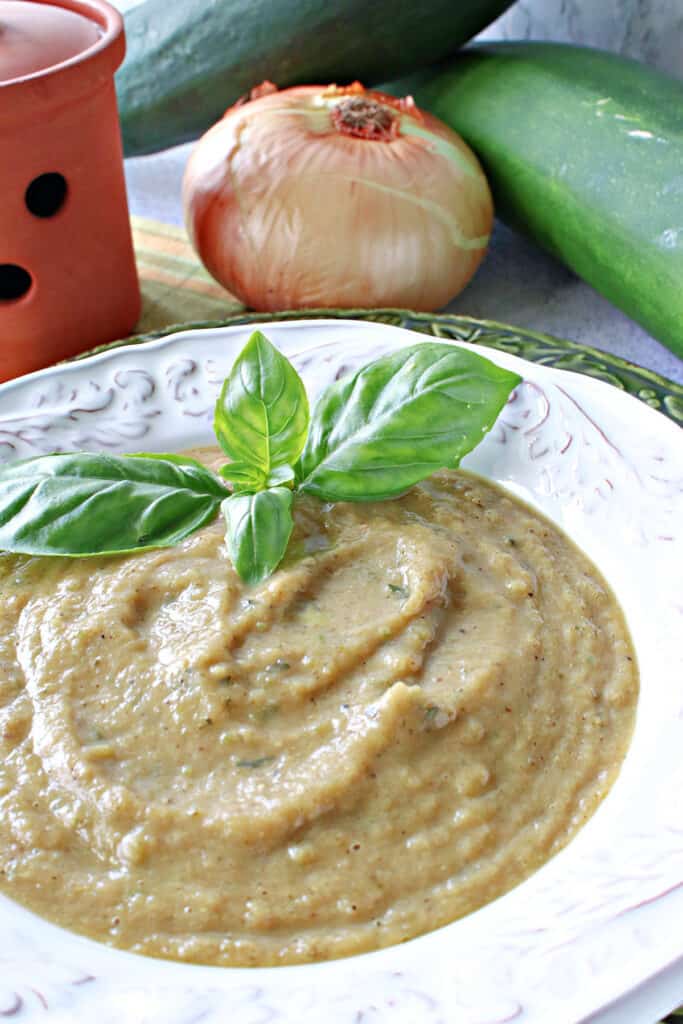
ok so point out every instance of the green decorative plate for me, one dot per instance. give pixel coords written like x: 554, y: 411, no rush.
x: 658, y: 392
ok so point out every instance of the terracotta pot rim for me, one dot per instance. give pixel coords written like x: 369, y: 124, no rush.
x: 80, y: 73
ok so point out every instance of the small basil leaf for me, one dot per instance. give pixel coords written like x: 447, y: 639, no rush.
x: 280, y: 475
x: 375, y: 434
x: 80, y: 503
x: 244, y: 476
x: 259, y: 527
x: 261, y: 415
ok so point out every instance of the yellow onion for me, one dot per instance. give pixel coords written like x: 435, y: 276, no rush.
x: 340, y: 197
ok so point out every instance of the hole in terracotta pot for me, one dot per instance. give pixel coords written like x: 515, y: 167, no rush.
x: 14, y: 282
x: 46, y: 194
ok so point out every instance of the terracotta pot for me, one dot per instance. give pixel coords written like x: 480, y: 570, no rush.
x: 67, y: 271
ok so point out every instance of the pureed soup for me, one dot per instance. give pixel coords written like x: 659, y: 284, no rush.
x: 422, y: 705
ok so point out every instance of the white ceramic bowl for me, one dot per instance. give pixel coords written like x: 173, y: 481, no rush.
x: 602, y: 920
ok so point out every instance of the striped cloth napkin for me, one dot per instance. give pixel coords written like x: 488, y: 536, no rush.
x: 175, y: 286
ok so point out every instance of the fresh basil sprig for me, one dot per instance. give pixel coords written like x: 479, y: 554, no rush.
x: 261, y: 422
x: 371, y: 437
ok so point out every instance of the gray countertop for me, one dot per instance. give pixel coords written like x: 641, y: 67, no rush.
x: 517, y: 283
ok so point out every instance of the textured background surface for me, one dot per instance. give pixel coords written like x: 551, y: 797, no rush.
x: 649, y: 30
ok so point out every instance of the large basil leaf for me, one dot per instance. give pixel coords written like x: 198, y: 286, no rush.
x: 80, y: 503
x: 259, y: 527
x: 262, y: 414
x: 396, y: 421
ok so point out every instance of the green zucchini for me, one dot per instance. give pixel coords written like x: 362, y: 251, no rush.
x: 584, y: 153
x: 187, y: 62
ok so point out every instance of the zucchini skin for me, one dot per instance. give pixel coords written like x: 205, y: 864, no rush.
x: 584, y: 153
x: 188, y: 61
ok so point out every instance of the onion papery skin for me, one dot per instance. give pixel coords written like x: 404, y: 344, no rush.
x: 287, y: 211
